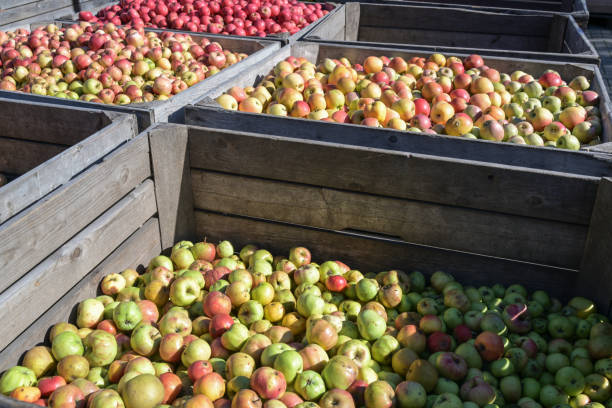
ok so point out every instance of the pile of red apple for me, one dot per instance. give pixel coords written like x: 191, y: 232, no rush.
x: 208, y: 327
x: 436, y: 95
x: 236, y: 17
x: 107, y: 64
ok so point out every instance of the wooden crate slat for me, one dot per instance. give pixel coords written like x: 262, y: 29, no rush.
x: 170, y: 161
x: 19, y: 156
x: 596, y: 278
x: 481, y: 232
x: 67, y: 210
x: 41, y: 180
x: 57, y: 126
x: 138, y: 249
x: 463, y: 183
x: 46, y: 283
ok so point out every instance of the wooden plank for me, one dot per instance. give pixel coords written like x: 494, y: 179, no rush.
x: 577, y: 41
x: 333, y: 28
x: 38, y: 182
x: 145, y: 116
x: 463, y: 21
x: 595, y: 280
x: 478, y: 150
x: 433, y: 37
x: 481, y: 232
x: 374, y: 254
x: 56, y: 218
x: 21, y: 156
x: 49, y: 280
x: 170, y: 161
x: 47, y: 123
x: 37, y: 8
x: 557, y: 33
x: 464, y: 183
x: 135, y: 252
x: 353, y: 14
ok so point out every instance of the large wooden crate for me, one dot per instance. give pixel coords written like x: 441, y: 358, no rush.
x: 509, y: 34
x: 576, y: 8
x: 371, y: 208
x: 595, y: 161
x: 172, y: 109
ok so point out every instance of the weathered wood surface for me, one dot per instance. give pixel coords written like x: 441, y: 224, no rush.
x: 39, y: 180
x: 482, y: 232
x: 470, y: 30
x: 21, y: 156
x: 375, y: 254
x: 588, y: 164
x: 60, y: 215
x: 595, y: 280
x: 464, y: 183
x: 49, y: 280
x: 170, y: 161
x: 49, y: 124
x: 144, y: 116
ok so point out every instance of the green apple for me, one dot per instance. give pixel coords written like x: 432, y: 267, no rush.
x: 366, y: 289
x: 250, y: 312
x: 383, y: 349
x: 143, y: 391
x: 184, y: 291
x: 309, y: 385
x: 310, y: 304
x: 371, y: 325
x: 225, y: 249
x: 89, y: 313
x: 127, y: 315
x: 235, y: 337
x: 411, y: 394
x: 570, y: 380
x: 100, y: 348
x: 339, y: 372
x: 551, y: 395
x: 66, y: 344
x: 269, y: 354
x: 198, y: 349
x: 15, y: 377
x: 290, y: 363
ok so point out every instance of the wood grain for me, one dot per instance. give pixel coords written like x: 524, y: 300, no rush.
x: 51, y: 279
x: 20, y: 156
x: 595, y: 280
x: 481, y: 232
x: 59, y: 169
x: 47, y: 123
x: 464, y: 183
x: 137, y: 250
x: 170, y: 161
x: 56, y: 218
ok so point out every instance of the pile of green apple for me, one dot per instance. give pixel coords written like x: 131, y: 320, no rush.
x: 106, y: 63
x: 211, y: 328
x: 438, y: 95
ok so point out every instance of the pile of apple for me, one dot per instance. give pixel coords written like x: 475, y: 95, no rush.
x: 236, y: 17
x: 207, y: 327
x: 107, y: 64
x: 437, y: 95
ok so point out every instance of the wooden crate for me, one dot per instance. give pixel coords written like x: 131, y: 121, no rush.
x: 371, y: 208
x: 595, y: 161
x: 172, y: 109
x: 454, y: 30
x: 576, y: 8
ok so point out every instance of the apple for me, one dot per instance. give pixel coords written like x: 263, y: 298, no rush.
x: 309, y: 385
x: 143, y: 391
